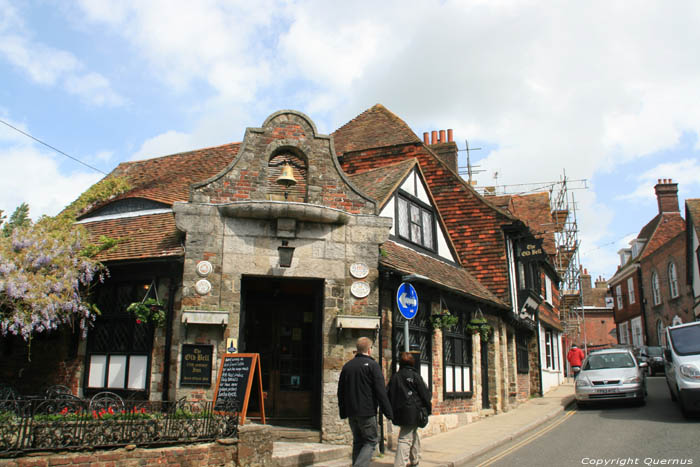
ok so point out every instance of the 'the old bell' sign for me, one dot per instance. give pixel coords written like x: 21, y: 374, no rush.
x: 531, y: 251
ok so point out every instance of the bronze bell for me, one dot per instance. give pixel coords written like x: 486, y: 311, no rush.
x: 286, y: 179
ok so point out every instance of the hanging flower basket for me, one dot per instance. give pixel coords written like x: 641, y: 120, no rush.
x: 148, y: 311
x: 443, y: 320
x: 479, y: 324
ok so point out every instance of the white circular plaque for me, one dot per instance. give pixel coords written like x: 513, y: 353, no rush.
x: 204, y: 268
x: 360, y: 289
x: 202, y: 287
x: 359, y: 270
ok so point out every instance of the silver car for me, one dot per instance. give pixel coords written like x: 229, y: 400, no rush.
x: 612, y: 374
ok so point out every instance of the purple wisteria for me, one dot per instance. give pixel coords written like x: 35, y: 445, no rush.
x: 44, y: 280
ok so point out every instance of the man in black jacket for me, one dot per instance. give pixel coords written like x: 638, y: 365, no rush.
x: 360, y: 391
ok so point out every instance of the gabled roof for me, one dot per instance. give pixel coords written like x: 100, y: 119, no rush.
x: 373, y: 128
x: 164, y: 179
x: 382, y: 182
x: 692, y: 207
x: 656, y: 233
x: 669, y: 226
x: 140, y: 237
x: 474, y: 224
x: 408, y: 261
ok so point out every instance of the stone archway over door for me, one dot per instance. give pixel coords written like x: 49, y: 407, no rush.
x: 282, y: 322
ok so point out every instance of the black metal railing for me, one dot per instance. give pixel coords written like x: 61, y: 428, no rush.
x: 71, y: 423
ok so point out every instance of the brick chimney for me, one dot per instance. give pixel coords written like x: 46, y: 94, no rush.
x: 667, y: 195
x: 444, y: 146
x: 586, y: 284
x: 601, y: 283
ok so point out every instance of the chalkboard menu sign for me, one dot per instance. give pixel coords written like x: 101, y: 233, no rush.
x: 237, y: 372
x: 196, y: 364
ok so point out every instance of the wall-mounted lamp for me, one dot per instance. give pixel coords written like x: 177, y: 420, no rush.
x: 286, y: 178
x: 285, y: 252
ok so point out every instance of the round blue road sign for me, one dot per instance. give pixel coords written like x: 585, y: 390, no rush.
x: 407, y: 300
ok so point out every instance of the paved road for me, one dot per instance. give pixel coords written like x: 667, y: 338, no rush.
x: 656, y: 434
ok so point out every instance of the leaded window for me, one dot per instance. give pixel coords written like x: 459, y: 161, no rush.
x: 416, y: 222
x: 522, y: 355
x: 457, y: 356
x: 119, y: 347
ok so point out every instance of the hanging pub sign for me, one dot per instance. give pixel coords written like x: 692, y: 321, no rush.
x: 196, y: 364
x: 531, y: 250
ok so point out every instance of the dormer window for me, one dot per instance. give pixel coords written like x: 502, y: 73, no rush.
x: 415, y: 221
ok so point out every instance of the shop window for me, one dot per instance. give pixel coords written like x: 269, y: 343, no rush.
x: 457, y: 356
x: 672, y: 280
x: 119, y: 348
x: 415, y: 222
x: 522, y: 354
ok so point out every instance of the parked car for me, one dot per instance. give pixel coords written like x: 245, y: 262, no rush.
x: 682, y: 360
x: 611, y: 374
x: 653, y: 355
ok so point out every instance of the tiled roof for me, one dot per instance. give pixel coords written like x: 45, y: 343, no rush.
x: 692, y: 207
x: 167, y: 179
x: 164, y: 179
x: 670, y: 225
x: 382, y: 182
x: 373, y: 128
x: 474, y: 223
x: 408, y: 261
x: 140, y: 237
x: 535, y: 211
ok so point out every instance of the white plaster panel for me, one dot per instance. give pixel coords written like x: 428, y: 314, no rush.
x: 409, y: 185
x: 421, y: 193
x: 443, y: 247
x: 389, y: 210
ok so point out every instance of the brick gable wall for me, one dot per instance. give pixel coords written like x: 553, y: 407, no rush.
x: 248, y: 177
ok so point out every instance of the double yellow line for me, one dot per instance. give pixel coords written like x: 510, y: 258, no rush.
x: 522, y: 443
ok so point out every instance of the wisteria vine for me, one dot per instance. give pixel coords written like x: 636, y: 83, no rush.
x: 44, y: 280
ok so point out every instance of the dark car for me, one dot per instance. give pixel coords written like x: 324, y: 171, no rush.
x: 654, y: 356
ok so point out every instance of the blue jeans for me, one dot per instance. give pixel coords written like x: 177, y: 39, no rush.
x: 364, y: 439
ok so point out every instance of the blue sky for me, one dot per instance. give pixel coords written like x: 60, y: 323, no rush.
x: 596, y: 90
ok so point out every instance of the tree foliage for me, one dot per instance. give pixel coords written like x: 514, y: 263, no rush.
x: 47, y: 267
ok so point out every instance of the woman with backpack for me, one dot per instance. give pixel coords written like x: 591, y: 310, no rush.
x: 410, y: 402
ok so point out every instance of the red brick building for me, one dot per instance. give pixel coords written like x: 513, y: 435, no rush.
x: 648, y: 289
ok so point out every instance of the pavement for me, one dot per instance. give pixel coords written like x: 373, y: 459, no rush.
x: 468, y: 442
x: 456, y: 447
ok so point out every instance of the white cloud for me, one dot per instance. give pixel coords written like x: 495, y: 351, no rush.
x: 170, y: 142
x: 34, y: 177
x: 49, y: 66
x: 685, y: 172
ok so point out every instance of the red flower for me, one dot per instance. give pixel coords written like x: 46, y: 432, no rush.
x: 138, y: 321
x: 94, y: 414
x: 110, y: 410
x: 143, y: 409
x: 64, y: 411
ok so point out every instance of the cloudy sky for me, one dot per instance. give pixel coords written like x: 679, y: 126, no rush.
x: 604, y: 92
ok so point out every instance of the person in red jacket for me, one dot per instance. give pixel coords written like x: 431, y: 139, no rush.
x: 575, y: 357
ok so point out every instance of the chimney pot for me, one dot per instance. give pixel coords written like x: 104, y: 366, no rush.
x: 450, y: 135
x: 658, y: 180
x: 426, y: 137
x: 442, y: 136
x: 433, y: 137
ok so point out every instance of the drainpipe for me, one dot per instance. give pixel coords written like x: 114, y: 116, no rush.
x: 168, y: 339
x: 539, y: 352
